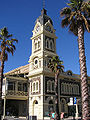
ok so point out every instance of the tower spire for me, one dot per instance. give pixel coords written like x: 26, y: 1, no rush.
x: 43, y: 4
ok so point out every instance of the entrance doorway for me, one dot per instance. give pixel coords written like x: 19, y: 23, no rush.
x: 35, y: 108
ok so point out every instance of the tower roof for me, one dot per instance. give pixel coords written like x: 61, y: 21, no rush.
x: 43, y: 18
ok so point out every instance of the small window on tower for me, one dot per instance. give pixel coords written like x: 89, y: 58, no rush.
x: 51, y: 45
x: 35, y: 46
x: 36, y: 61
x: 47, y: 44
x: 38, y: 44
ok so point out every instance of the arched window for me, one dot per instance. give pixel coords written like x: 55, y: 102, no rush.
x: 68, y: 88
x: 39, y: 63
x: 65, y: 88
x: 38, y: 44
x: 36, y: 86
x: 77, y: 89
x: 52, y: 86
x: 33, y: 86
x: 47, y: 44
x: 35, y: 102
x: 51, y: 45
x: 63, y: 103
x: 62, y: 88
x: 51, y: 107
x: 48, y: 86
x: 35, y: 46
x: 45, y: 63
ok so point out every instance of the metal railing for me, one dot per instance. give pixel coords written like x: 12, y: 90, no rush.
x: 16, y: 93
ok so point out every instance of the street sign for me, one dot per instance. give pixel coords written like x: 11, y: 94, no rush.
x: 75, y: 100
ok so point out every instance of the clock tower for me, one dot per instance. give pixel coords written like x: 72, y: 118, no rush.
x: 41, y: 93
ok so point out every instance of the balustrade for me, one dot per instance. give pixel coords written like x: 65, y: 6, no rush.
x: 16, y: 93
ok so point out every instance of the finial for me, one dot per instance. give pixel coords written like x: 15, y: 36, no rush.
x: 43, y: 4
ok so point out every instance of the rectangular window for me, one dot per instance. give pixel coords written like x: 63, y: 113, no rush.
x: 19, y: 87
x: 11, y: 85
x: 25, y: 87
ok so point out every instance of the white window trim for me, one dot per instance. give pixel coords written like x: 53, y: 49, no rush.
x: 36, y: 65
x: 33, y: 86
x: 38, y: 86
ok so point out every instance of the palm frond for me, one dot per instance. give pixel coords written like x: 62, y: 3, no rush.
x: 65, y: 11
x: 5, y: 57
x: 80, y: 11
x: 72, y: 15
x: 14, y: 40
x: 2, y: 44
x: 55, y: 64
x: 8, y: 49
x: 4, y: 32
x: 73, y: 27
x: 14, y: 47
x: 86, y: 23
x: 8, y: 36
x: 86, y: 8
x: 8, y: 42
x: 11, y: 50
x: 75, y: 4
x: 65, y: 22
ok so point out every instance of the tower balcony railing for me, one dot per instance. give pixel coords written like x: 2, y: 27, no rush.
x: 16, y: 93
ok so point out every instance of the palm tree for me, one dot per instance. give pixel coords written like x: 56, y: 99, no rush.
x: 77, y: 18
x: 56, y: 66
x: 6, y: 46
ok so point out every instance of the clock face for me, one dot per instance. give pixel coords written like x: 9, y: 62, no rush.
x: 37, y: 28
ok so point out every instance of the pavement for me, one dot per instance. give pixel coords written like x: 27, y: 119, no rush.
x: 72, y: 118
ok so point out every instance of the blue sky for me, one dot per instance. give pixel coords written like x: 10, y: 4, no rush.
x: 19, y: 17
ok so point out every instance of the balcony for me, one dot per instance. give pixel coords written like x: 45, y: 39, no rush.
x: 16, y: 93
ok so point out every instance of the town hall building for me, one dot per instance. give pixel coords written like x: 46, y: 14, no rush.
x: 31, y: 87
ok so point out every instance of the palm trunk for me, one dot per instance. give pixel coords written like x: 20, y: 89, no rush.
x: 56, y: 97
x: 1, y: 82
x: 83, y: 72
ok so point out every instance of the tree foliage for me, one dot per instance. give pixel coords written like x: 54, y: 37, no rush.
x: 76, y: 10
x: 6, y: 43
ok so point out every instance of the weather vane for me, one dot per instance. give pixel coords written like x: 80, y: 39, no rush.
x: 43, y: 3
